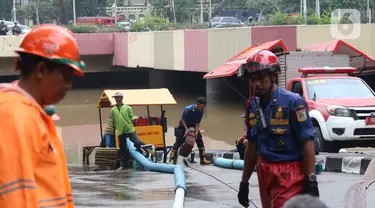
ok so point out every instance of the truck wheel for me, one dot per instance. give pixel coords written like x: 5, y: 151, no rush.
x: 324, y: 146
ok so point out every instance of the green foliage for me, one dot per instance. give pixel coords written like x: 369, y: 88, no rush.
x: 313, y: 19
x: 263, y: 6
x: 185, y: 9
x: 95, y: 29
x: 83, y: 28
x: 280, y: 19
x: 6, y: 10
x: 151, y: 23
x: 325, y: 17
x: 297, y: 20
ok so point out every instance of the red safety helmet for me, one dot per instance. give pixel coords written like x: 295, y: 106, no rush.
x: 55, y: 43
x: 262, y: 60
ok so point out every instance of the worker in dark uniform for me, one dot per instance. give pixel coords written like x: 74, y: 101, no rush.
x: 280, y: 137
x: 191, y: 117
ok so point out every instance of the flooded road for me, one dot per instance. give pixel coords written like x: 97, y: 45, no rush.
x: 79, y: 124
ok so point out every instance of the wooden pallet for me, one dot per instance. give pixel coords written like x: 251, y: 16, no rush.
x: 107, y: 158
x: 86, y: 152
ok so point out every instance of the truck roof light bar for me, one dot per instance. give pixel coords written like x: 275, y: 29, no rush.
x: 327, y: 70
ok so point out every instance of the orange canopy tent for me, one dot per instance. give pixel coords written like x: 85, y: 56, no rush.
x: 232, y: 65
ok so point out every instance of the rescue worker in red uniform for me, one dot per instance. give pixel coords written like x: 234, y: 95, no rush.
x: 280, y: 137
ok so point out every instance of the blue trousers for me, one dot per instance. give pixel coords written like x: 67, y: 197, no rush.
x: 109, y: 140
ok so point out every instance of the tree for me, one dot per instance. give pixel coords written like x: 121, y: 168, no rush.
x: 35, y: 3
x: 64, y: 15
x: 6, y: 10
x: 185, y: 9
x: 264, y: 6
x: 161, y: 8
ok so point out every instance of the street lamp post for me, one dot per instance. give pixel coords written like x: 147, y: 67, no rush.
x: 305, y: 11
x: 317, y: 8
x: 368, y: 12
x: 14, y: 11
x: 210, y: 9
x: 115, y: 12
x: 174, y: 12
x: 74, y: 12
x: 201, y: 11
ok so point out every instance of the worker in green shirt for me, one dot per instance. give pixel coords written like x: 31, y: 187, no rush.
x: 123, y: 121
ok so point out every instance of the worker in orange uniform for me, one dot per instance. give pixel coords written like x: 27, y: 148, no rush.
x: 280, y: 137
x: 33, y: 171
x: 50, y: 110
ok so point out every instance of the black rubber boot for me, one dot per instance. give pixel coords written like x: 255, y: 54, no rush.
x: 173, y: 157
x: 202, y: 155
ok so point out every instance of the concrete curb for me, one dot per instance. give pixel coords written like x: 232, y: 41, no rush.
x: 333, y: 162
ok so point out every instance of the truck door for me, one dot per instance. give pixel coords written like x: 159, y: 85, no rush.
x: 297, y: 87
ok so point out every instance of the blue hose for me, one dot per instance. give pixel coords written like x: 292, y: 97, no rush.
x: 239, y: 164
x: 227, y: 163
x: 177, y: 170
x: 179, y: 178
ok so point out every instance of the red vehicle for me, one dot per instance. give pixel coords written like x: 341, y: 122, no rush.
x: 97, y: 20
x: 341, y: 105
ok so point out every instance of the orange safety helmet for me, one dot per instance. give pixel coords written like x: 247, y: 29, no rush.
x: 262, y: 60
x: 54, y: 43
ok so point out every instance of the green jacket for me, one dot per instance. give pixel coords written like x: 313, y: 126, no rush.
x: 123, y: 119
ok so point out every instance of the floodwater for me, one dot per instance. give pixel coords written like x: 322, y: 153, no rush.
x: 79, y: 122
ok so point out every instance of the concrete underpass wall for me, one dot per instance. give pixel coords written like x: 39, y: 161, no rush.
x: 179, y: 81
x: 98, y: 63
x: 223, y: 90
x: 94, y: 63
x: 123, y: 78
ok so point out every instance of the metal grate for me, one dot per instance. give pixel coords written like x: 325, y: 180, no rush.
x: 282, y: 75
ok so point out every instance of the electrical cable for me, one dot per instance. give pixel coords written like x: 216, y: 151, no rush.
x: 196, y: 169
x: 235, y: 90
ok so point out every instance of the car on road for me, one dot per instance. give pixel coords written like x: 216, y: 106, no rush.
x: 126, y: 26
x: 218, y: 22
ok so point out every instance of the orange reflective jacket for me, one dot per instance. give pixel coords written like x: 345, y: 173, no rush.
x: 33, y: 170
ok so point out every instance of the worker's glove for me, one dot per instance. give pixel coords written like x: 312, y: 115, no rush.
x: 243, y: 194
x: 311, y: 187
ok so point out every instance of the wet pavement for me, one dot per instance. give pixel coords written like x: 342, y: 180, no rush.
x: 370, y: 193
x: 131, y: 188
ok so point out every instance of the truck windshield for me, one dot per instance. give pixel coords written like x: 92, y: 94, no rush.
x: 337, y: 88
